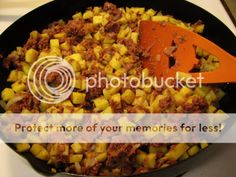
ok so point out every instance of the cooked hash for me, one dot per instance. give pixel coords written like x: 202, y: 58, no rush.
x: 106, y: 40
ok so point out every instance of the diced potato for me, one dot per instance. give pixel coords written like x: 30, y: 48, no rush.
x: 34, y: 34
x: 114, y: 63
x: 116, y: 98
x: 199, y: 51
x: 43, y: 54
x: 77, y: 148
x: 140, y: 101
x: 39, y: 151
x: 55, y: 52
x: 128, y: 96
x: 179, y: 99
x: 134, y: 37
x: 109, y: 92
x: 25, y: 111
x: 101, y: 157
x: 97, y: 10
x: 43, y: 106
x: 211, y: 97
x: 185, y: 91
x: 60, y: 35
x: 75, y: 158
x: 20, y: 75
x: 151, y: 12
x: 138, y: 10
x: 123, y: 32
x: 88, y: 14
x: 204, y: 145
x: 121, y: 48
x: 66, y: 148
x: 67, y: 110
x: 80, y: 48
x: 108, y: 110
x: 81, y: 84
x: 151, y: 160
x: 120, y: 72
x: 43, y: 155
x: 25, y: 67
x: 183, y: 76
x: 184, y: 156
x: 65, y: 46
x: 97, y: 51
x: 193, y: 150
x: 98, y: 36
x: 13, y: 76
x: 44, y: 35
x: 101, y: 104
x: 108, y: 40
x: 220, y: 94
x: 100, y: 147
x: 75, y: 65
x: 22, y: 147
x: 177, y: 151
x: 173, y: 20
x: 133, y: 17
x: 31, y: 55
x: 97, y: 20
x: 145, y: 17
x: 78, y: 98
x: 199, y: 28
x: 128, y: 16
x: 7, y: 94
x: 184, y: 26
x: 77, y: 16
x: 88, y: 36
x: 53, y: 109
x: 155, y: 104
x: 140, y: 93
x: 211, y: 109
x: 18, y: 86
x: 54, y: 43
x: 141, y: 157
x: 200, y: 91
x: 160, y: 18
x: 153, y: 149
x: 145, y: 72
x: 67, y: 103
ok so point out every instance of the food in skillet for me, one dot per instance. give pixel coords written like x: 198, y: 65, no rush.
x: 105, y: 39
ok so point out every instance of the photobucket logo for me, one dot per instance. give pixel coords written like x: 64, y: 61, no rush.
x: 100, y: 81
x: 51, y: 79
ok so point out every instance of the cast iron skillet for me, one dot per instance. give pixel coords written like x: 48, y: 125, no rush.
x: 39, y: 18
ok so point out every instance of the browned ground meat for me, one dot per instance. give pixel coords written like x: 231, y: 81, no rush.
x: 112, y: 27
x: 113, y: 11
x: 43, y: 44
x: 31, y: 43
x: 54, y: 79
x: 28, y: 102
x: 166, y: 103
x: 121, y: 156
x: 12, y: 59
x: 199, y: 105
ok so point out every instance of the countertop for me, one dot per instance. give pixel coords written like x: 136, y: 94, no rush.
x: 12, y: 165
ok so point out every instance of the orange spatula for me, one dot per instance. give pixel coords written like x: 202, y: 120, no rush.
x: 159, y: 37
